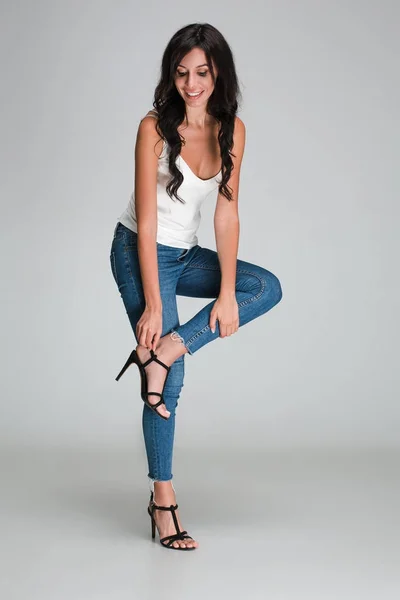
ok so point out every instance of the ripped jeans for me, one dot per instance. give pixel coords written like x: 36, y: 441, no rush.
x: 193, y: 272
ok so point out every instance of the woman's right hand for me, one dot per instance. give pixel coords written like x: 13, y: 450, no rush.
x: 149, y: 327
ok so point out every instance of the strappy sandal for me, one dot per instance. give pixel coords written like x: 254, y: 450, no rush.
x: 134, y: 358
x: 168, y: 540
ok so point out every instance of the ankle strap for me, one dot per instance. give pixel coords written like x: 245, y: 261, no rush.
x: 172, y: 507
x: 154, y: 358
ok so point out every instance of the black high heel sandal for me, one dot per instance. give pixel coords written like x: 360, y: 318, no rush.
x: 179, y: 535
x: 134, y: 358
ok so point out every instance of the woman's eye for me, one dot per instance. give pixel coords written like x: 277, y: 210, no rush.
x: 203, y: 74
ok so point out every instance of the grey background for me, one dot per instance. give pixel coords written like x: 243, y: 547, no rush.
x: 316, y: 377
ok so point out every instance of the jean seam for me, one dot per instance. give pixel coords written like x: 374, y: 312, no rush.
x: 128, y: 268
x: 202, y: 267
x: 240, y: 304
x: 156, y: 456
x: 113, y: 267
x: 239, y: 270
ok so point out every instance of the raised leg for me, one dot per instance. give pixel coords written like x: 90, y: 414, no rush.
x: 257, y: 291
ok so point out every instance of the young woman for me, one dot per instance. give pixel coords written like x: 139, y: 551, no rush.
x: 189, y: 148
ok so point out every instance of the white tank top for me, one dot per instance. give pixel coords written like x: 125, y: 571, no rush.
x: 177, y: 222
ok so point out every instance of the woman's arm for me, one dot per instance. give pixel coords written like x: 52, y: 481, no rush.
x: 146, y: 164
x: 227, y: 229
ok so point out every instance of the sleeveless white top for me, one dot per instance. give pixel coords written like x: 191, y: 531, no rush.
x: 177, y: 222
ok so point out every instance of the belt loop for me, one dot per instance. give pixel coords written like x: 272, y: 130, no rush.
x: 183, y: 254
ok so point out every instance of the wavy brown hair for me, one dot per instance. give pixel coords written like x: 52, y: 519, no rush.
x: 222, y: 104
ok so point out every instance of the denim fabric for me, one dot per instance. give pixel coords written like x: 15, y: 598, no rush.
x: 193, y: 272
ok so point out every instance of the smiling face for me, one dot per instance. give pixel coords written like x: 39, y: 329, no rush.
x: 194, y: 77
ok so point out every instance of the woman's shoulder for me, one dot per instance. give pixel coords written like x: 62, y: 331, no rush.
x: 151, y: 113
x: 239, y: 133
x: 148, y: 129
x: 239, y: 125
x: 239, y: 139
x: 148, y: 123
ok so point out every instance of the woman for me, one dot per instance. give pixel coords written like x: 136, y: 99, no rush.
x: 155, y: 254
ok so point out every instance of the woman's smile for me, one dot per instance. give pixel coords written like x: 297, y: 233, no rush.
x: 193, y: 94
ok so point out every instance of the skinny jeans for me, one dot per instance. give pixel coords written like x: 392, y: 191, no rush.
x: 193, y: 272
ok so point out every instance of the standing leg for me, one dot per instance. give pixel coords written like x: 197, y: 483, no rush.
x: 158, y: 433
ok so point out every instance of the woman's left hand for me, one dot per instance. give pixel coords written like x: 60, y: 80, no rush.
x: 226, y: 310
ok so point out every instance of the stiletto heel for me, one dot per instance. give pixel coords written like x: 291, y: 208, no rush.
x: 134, y: 358
x: 130, y: 361
x: 153, y: 527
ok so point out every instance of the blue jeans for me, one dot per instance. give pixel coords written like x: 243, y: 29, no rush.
x: 193, y: 272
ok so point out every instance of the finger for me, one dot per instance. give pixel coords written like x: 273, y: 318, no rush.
x: 213, y: 320
x: 143, y: 336
x: 140, y: 336
x: 149, y: 338
x: 156, y: 340
x: 153, y: 343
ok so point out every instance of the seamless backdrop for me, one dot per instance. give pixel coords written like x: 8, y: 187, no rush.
x: 286, y: 461
x: 318, y: 205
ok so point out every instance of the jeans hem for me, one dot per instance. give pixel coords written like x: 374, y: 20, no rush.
x: 151, y: 482
x: 181, y: 339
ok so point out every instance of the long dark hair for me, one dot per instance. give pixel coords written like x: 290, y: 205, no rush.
x: 222, y: 104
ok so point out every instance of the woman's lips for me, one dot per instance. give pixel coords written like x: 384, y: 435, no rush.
x: 194, y: 97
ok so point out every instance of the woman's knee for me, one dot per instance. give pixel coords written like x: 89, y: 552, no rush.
x: 271, y: 287
x: 276, y: 286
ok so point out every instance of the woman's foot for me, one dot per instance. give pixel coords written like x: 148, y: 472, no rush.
x: 164, y: 495
x: 168, y: 350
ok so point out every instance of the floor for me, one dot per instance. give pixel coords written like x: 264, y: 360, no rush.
x: 276, y: 525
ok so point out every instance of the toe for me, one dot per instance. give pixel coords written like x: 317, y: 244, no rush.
x: 164, y: 410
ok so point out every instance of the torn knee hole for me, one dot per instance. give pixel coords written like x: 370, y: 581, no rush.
x: 176, y: 337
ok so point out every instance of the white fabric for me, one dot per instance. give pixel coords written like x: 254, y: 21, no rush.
x: 177, y: 223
